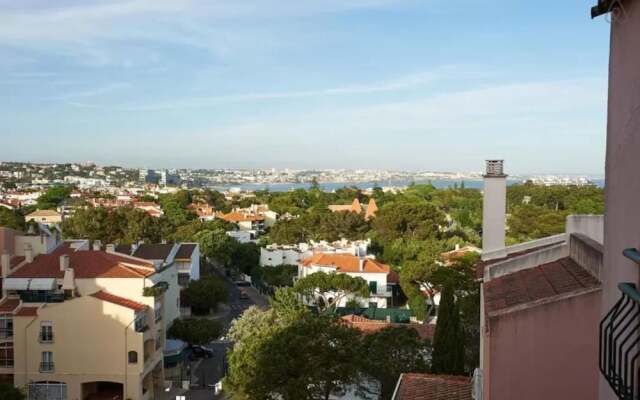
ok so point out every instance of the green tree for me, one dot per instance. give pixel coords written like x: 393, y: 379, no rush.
x: 245, y: 257
x: 8, y: 392
x: 391, y: 352
x: 53, y: 197
x: 448, y: 340
x: 195, y: 331
x: 327, y: 290
x: 204, y: 295
x: 11, y: 219
x: 279, y: 275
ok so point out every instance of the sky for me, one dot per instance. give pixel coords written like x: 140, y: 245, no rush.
x: 434, y: 85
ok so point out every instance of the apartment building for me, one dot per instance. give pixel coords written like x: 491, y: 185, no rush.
x: 539, y: 306
x: 383, y: 282
x: 621, y: 276
x: 84, y: 323
x: 185, y: 257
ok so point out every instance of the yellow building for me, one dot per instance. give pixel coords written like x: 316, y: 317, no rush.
x: 81, y: 323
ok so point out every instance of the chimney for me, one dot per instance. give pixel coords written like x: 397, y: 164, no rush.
x: 457, y: 246
x: 111, y: 248
x: 28, y: 253
x: 97, y: 245
x: 69, y: 280
x: 64, y: 262
x: 361, y: 264
x: 6, y: 264
x: 494, y: 207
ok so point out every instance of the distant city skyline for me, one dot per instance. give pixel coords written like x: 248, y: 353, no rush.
x: 357, y: 84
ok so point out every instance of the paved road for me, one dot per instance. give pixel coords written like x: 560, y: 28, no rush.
x: 211, y: 370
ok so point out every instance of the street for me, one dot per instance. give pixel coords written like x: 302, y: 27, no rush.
x: 208, y: 371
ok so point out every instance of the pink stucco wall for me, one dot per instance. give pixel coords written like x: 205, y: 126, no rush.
x: 546, y: 352
x: 622, y: 219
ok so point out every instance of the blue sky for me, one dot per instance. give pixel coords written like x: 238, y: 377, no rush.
x: 374, y: 84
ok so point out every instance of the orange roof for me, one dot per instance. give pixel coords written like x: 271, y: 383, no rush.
x: 27, y: 312
x: 236, y: 216
x: 346, y: 263
x: 9, y: 305
x: 121, y: 301
x: 16, y: 260
x: 353, y: 207
x: 86, y: 263
x: 433, y: 387
x: 372, y: 209
x: 368, y: 326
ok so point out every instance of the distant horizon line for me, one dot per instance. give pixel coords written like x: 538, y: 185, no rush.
x: 299, y: 169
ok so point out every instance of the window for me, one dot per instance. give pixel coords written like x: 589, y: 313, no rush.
x: 46, y: 365
x: 46, y: 332
x: 47, y: 391
x: 6, y: 326
x: 373, y: 287
x: 133, y: 357
x: 6, y: 355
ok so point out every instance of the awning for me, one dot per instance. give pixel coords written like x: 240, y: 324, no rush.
x: 15, y: 283
x: 29, y: 284
x: 43, y: 284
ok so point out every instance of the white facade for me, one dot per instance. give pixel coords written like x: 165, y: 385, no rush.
x: 381, y: 297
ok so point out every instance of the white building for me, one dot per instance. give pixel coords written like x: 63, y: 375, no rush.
x: 274, y: 254
x: 380, y: 278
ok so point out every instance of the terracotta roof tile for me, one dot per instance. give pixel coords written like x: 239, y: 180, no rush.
x: 16, y: 260
x: 236, y: 216
x: 433, y: 387
x: 121, y: 301
x: 542, y: 282
x: 86, y: 263
x: 369, y: 326
x: 346, y: 263
x: 27, y: 312
x: 9, y: 305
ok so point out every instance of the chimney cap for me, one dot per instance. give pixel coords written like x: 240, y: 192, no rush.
x: 495, y: 168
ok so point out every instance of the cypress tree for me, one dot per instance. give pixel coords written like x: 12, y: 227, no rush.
x: 448, y: 339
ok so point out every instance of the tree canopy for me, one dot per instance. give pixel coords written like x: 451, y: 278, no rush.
x: 204, y: 295
x: 195, y: 331
x: 330, y: 289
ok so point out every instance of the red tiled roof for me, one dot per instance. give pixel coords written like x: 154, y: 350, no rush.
x: 372, y: 209
x: 433, y: 387
x: 121, y: 301
x: 9, y: 305
x: 353, y: 207
x: 27, y: 312
x: 480, y: 267
x: 86, y: 263
x: 236, y: 216
x: 346, y: 263
x: 545, y: 281
x: 368, y: 326
x: 15, y: 261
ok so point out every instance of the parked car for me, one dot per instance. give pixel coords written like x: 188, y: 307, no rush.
x: 200, y: 352
x: 243, y: 294
x: 242, y: 283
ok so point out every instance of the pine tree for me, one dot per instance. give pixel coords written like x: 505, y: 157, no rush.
x: 448, y: 340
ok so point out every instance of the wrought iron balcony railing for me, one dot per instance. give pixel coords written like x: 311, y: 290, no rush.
x: 620, y: 340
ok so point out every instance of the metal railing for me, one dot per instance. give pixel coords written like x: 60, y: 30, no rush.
x: 6, y: 333
x: 619, y: 348
x: 47, y: 367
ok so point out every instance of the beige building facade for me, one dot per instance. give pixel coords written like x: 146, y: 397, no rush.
x: 81, y: 323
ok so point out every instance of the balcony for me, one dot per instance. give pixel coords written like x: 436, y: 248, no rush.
x: 619, y: 339
x: 42, y: 296
x: 47, y: 367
